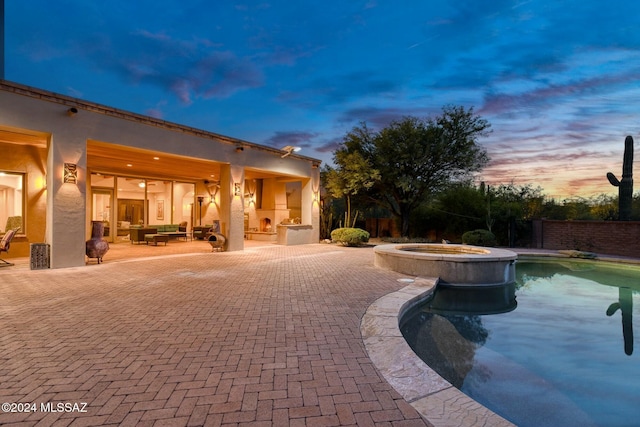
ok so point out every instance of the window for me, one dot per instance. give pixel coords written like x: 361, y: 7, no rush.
x: 11, y: 201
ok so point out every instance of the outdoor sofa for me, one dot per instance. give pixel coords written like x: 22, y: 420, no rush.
x: 138, y: 233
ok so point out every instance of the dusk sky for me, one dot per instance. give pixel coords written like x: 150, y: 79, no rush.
x: 559, y: 81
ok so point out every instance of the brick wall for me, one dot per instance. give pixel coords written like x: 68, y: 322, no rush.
x: 381, y: 227
x: 604, y: 237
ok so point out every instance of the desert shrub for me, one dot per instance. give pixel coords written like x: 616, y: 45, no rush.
x: 479, y: 238
x: 350, y: 236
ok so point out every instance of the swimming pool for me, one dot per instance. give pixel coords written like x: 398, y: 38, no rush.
x: 560, y: 353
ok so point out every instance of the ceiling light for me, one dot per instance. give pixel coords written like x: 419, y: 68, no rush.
x: 141, y: 184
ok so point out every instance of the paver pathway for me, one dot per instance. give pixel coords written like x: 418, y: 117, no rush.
x: 268, y: 336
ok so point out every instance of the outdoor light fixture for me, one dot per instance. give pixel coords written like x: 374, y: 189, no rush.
x: 237, y: 190
x: 239, y: 148
x: 213, y: 191
x: 70, y: 175
x: 141, y: 184
x: 72, y: 111
x: 288, y: 150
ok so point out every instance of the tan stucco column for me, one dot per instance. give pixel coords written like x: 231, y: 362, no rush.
x: 232, y: 205
x: 311, y: 204
x: 66, y: 227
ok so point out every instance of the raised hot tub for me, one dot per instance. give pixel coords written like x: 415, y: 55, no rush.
x: 452, y: 264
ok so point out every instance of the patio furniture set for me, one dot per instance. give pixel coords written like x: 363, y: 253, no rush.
x: 97, y: 246
x: 157, y: 234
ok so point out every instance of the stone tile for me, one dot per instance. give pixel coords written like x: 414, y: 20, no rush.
x: 409, y: 375
x: 449, y: 407
x: 376, y: 325
x: 267, y: 336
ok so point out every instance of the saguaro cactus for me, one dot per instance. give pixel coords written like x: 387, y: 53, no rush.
x: 625, y: 185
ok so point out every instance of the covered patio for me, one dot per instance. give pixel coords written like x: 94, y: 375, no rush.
x: 71, y: 162
x: 126, y: 252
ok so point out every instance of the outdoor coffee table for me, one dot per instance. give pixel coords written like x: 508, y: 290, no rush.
x: 176, y: 234
x: 155, y: 238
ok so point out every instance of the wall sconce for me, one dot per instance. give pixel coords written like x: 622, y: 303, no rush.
x: 213, y: 192
x: 70, y: 175
x: 237, y: 190
x: 316, y: 196
x: 72, y: 111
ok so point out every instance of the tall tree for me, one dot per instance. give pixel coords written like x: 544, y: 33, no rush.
x: 354, y: 175
x: 417, y: 158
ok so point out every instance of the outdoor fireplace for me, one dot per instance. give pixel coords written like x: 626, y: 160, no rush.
x: 265, y: 225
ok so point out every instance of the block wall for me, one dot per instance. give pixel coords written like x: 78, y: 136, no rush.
x: 603, y: 237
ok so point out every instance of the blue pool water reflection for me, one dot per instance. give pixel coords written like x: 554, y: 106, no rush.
x: 563, y: 355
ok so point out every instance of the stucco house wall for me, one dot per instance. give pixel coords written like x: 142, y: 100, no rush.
x: 38, y: 134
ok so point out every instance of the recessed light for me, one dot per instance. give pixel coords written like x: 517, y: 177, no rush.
x: 129, y: 165
x: 156, y: 158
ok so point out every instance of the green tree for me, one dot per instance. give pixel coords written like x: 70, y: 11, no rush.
x: 461, y: 207
x: 578, y: 208
x: 353, y: 175
x: 605, y: 206
x: 417, y: 158
x: 512, y: 206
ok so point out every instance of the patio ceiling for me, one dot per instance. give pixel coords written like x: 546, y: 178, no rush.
x: 120, y: 160
x: 126, y: 161
x: 21, y: 136
x: 114, y: 159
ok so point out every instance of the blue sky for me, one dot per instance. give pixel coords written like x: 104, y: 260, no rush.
x: 558, y: 81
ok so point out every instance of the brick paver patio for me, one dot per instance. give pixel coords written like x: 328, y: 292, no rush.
x: 267, y: 336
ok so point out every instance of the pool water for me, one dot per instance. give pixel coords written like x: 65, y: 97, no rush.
x: 561, y: 354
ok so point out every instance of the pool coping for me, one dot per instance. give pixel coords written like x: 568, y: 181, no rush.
x: 437, y: 401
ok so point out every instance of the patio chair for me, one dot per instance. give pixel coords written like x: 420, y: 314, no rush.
x: 4, y: 245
